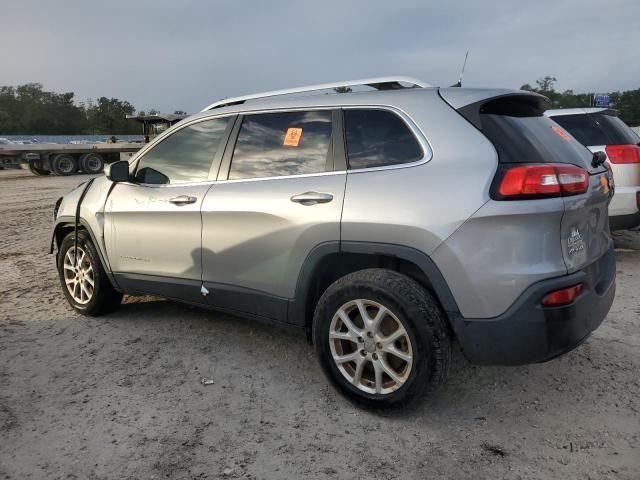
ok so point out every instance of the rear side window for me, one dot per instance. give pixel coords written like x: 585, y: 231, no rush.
x: 378, y: 138
x: 597, y: 129
x: 278, y: 144
x: 184, y: 156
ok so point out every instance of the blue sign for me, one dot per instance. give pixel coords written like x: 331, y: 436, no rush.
x: 601, y: 100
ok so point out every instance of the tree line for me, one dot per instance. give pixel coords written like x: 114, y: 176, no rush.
x: 29, y: 109
x: 627, y: 103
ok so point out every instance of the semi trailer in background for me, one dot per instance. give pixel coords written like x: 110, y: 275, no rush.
x: 71, y: 158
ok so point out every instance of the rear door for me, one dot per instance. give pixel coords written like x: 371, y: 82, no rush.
x: 153, y: 224
x: 279, y: 195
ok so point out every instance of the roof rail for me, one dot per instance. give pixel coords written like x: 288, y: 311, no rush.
x: 379, y: 83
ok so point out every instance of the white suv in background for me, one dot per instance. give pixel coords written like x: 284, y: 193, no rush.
x: 600, y: 129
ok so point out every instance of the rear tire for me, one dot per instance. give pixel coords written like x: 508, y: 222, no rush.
x: 64, y: 164
x: 85, y: 283
x: 381, y: 338
x: 91, y: 163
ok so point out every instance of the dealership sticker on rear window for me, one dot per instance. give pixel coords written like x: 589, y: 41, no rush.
x: 561, y: 133
x: 292, y: 138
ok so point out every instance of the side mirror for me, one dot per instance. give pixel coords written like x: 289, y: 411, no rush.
x: 117, y: 171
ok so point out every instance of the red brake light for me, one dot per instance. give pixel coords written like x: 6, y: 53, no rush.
x: 623, y: 153
x: 549, y: 180
x: 563, y: 296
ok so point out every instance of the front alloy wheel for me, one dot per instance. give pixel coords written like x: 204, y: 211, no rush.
x: 79, y: 275
x: 83, y: 279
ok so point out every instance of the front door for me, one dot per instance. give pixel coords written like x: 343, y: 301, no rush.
x: 280, y: 199
x: 153, y: 224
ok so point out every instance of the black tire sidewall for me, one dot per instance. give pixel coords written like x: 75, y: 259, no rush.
x: 410, y: 316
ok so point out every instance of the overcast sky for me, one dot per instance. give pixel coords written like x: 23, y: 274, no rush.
x: 184, y: 54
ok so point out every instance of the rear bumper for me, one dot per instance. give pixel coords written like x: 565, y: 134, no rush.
x: 624, y: 211
x: 528, y: 332
x: 623, y: 222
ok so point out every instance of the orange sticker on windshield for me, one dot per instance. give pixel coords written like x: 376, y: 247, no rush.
x: 564, y: 135
x: 292, y: 137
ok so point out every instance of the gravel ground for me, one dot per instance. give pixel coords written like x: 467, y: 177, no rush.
x: 121, y: 396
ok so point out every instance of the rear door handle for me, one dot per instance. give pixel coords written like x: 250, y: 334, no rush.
x: 312, y: 198
x: 183, y: 200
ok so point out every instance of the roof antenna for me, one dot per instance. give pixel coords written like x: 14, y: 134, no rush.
x: 464, y: 64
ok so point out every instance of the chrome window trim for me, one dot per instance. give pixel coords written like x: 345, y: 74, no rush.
x: 417, y: 132
x: 284, y: 177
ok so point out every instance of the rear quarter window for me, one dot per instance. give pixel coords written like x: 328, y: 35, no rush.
x: 378, y: 138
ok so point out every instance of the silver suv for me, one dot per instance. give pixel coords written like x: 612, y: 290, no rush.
x: 386, y: 223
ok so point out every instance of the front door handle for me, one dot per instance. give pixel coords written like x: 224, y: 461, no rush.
x: 183, y: 200
x: 312, y: 198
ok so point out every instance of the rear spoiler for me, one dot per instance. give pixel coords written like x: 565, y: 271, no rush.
x: 471, y: 102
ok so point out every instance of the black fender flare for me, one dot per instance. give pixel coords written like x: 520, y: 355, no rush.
x: 298, y: 305
x: 69, y: 221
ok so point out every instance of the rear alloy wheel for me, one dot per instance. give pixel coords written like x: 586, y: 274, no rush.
x: 91, y: 163
x: 370, y: 346
x: 64, y: 164
x: 381, y: 338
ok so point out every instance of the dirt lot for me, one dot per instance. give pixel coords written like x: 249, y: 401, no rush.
x: 120, y: 396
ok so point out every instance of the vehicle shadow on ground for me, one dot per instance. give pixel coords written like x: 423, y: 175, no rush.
x: 472, y: 392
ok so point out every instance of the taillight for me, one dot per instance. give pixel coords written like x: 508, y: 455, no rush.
x: 541, y: 181
x: 563, y: 296
x: 623, y: 153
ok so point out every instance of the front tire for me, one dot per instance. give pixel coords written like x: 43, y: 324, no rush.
x: 84, y: 281
x: 381, y: 338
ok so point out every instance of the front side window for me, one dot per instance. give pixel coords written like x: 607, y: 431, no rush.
x: 378, y: 138
x: 184, y: 156
x: 279, y: 144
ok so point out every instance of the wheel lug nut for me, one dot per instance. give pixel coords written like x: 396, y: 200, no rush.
x: 360, y: 339
x: 375, y: 356
x: 369, y: 334
x: 379, y: 345
x: 363, y: 353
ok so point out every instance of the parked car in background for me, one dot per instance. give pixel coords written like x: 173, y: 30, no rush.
x: 385, y: 223
x: 600, y: 129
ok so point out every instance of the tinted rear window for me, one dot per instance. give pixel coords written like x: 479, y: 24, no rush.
x: 597, y: 129
x: 532, y: 140
x: 378, y: 138
x: 521, y: 134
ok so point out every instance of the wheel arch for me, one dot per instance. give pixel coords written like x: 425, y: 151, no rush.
x: 64, y: 226
x: 330, y: 261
